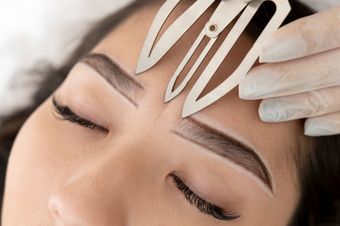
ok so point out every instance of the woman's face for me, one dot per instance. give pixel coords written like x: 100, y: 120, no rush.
x: 108, y: 151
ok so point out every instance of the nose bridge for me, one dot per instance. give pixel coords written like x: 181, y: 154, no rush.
x: 88, y: 199
x: 101, y: 190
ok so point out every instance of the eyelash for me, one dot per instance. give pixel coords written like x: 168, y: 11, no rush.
x: 201, y: 204
x: 205, y: 207
x: 67, y: 114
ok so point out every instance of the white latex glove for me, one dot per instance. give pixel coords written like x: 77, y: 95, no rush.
x: 302, y: 76
x: 320, y: 5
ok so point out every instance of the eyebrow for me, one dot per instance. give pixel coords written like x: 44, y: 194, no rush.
x: 226, y: 146
x: 118, y: 78
x: 190, y: 128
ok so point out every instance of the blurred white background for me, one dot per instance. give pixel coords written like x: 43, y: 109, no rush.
x: 36, y: 30
x: 44, y: 30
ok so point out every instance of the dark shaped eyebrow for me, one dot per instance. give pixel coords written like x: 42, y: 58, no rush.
x: 224, y: 145
x: 119, y: 79
x: 190, y: 129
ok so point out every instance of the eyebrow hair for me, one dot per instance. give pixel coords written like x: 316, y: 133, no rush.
x: 190, y: 128
x: 224, y: 145
x: 118, y: 78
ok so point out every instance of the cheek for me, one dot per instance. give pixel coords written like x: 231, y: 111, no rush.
x: 33, y: 166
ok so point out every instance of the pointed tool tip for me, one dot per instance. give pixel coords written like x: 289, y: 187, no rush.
x: 187, y: 111
x: 166, y: 99
x: 191, y: 107
x: 139, y: 70
x: 141, y: 67
x: 168, y: 96
x: 185, y: 114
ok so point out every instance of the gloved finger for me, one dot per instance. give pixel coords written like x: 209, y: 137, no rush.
x: 324, y: 125
x: 292, y: 77
x: 300, y: 106
x: 310, y: 35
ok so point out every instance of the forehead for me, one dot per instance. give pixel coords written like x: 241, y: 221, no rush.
x: 275, y: 142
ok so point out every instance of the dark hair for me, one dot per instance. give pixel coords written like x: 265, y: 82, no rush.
x: 318, y: 169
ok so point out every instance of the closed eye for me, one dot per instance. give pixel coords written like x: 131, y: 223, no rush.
x: 203, y: 205
x: 65, y: 113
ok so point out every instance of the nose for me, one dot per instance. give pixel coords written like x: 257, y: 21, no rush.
x: 104, y: 190
x: 85, y: 202
x: 97, y: 193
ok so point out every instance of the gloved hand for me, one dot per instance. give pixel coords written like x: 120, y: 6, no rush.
x: 301, y: 77
x: 320, y: 5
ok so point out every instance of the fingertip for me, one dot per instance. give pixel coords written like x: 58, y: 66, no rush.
x: 315, y: 127
x: 269, y: 111
x: 245, y: 92
x: 310, y: 130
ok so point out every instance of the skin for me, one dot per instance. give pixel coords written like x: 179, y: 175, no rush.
x: 62, y: 174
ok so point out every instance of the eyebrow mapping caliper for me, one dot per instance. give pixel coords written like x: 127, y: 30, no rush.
x: 224, y: 14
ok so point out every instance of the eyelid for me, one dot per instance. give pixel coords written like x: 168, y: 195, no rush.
x: 68, y: 114
x: 204, y: 206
